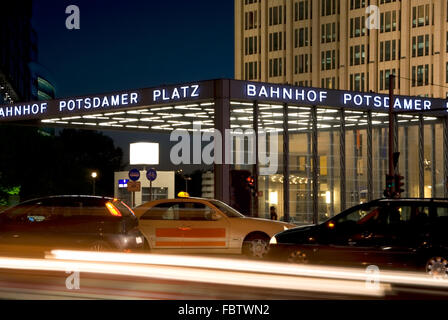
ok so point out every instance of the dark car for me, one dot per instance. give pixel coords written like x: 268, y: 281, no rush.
x: 399, y: 233
x: 71, y: 222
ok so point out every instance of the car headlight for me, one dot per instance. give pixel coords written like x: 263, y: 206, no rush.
x: 273, y: 240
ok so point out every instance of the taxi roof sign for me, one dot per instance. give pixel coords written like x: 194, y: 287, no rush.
x: 183, y: 194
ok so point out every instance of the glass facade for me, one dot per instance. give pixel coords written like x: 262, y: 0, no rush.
x: 348, y: 153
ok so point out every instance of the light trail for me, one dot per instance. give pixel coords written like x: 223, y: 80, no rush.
x: 392, y: 277
x: 222, y: 277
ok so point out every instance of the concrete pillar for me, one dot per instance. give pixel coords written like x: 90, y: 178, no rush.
x: 222, y: 123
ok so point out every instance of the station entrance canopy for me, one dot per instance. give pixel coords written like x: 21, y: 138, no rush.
x: 166, y: 108
x: 342, y: 132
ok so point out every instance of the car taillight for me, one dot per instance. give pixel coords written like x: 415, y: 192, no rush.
x: 113, y: 210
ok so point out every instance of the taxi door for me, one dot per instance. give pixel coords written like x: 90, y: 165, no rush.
x: 204, y: 228
x: 161, y: 226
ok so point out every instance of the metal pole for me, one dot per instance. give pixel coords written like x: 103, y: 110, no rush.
x: 332, y: 172
x: 94, y: 192
x: 150, y: 190
x: 433, y: 161
x: 286, y: 207
x: 391, y: 128
x: 421, y: 153
x: 256, y: 166
x: 369, y: 157
x: 342, y: 161
x: 315, y: 167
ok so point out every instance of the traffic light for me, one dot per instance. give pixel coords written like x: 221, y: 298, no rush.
x: 399, y: 183
x: 240, y: 194
x: 390, y: 186
x: 251, y: 184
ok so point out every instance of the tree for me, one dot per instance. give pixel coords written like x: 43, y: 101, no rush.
x: 43, y: 165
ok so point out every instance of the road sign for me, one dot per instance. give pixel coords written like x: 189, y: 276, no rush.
x: 134, y: 175
x: 134, y: 186
x: 151, y: 174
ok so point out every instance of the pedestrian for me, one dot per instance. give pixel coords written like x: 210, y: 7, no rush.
x: 274, y: 213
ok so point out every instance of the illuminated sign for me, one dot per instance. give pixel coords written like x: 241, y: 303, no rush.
x: 124, y: 99
x: 235, y: 90
x: 123, y: 183
x: 296, y: 94
x: 23, y: 110
x: 176, y: 93
x: 336, y: 98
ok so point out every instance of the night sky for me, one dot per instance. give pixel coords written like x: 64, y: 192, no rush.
x: 134, y: 44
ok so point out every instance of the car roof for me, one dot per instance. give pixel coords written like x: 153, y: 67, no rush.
x: 70, y: 197
x: 427, y: 200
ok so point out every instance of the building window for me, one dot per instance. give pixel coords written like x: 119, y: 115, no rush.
x: 302, y: 64
x: 276, y: 67
x: 251, y: 20
x: 446, y: 73
x: 328, y: 60
x: 276, y: 41
x: 301, y: 38
x: 301, y: 10
x: 420, y: 16
x: 420, y: 75
x: 157, y: 194
x: 277, y: 15
x: 388, y: 21
x: 251, y: 45
x: 357, y: 55
x: 356, y: 4
x: 357, y: 81
x: 328, y: 7
x: 384, y: 78
x: 251, y: 70
x: 357, y: 27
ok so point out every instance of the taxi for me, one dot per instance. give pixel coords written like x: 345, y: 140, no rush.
x: 193, y: 225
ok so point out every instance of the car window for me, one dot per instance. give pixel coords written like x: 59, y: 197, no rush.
x: 227, y: 210
x: 32, y: 212
x: 359, y: 215
x: 194, y: 211
x: 163, y: 211
x: 95, y: 207
x: 441, y: 213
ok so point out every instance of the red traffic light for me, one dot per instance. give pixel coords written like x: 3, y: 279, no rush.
x: 251, y: 181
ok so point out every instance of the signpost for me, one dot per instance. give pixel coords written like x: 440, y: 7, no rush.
x: 134, y: 175
x: 133, y: 186
x: 151, y: 175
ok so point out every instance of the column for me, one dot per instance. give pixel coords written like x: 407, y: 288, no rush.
x: 342, y: 161
x: 222, y: 123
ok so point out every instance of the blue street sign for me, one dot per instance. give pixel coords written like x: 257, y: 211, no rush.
x: 134, y: 175
x: 151, y: 174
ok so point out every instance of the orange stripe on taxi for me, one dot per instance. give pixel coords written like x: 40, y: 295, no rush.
x: 192, y: 244
x: 191, y: 233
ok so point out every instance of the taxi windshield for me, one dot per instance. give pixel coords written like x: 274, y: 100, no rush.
x: 227, y: 210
